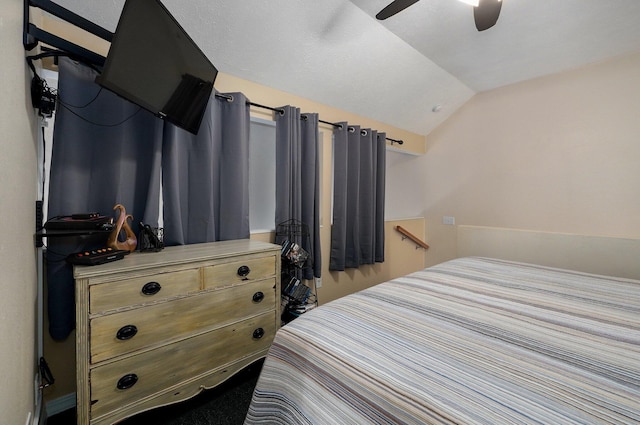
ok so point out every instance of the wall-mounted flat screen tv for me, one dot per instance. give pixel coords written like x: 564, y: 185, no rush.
x: 153, y: 63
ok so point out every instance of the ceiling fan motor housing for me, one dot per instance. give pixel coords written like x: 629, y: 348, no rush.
x: 485, y: 14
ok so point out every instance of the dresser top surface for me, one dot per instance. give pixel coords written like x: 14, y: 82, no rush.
x: 177, y: 255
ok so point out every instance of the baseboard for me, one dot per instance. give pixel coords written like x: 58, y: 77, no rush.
x: 61, y: 404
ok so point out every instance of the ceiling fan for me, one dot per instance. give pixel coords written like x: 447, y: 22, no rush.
x: 485, y: 12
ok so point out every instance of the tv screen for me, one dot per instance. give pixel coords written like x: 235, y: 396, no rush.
x: 153, y: 63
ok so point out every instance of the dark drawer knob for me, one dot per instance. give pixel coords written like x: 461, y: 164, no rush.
x: 126, y: 332
x: 243, y: 271
x: 258, y: 333
x: 127, y: 381
x: 257, y: 297
x: 151, y: 288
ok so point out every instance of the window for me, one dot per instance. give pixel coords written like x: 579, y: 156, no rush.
x: 262, y: 175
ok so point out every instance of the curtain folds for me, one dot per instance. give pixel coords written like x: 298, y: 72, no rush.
x: 206, y: 177
x: 357, y: 232
x: 298, y: 179
x: 106, y: 151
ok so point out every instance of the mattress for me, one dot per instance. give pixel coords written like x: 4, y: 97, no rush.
x: 469, y: 341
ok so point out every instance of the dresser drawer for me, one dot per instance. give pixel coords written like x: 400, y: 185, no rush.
x: 155, y: 371
x: 127, y: 331
x: 140, y: 290
x: 226, y: 274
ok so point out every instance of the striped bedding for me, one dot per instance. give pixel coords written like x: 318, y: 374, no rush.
x: 470, y: 341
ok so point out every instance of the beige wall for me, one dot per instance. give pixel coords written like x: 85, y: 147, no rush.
x: 263, y: 95
x: 556, y: 154
x: 17, y: 223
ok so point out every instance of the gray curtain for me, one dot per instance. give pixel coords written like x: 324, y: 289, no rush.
x: 298, y: 181
x: 106, y: 151
x: 357, y: 232
x: 206, y: 177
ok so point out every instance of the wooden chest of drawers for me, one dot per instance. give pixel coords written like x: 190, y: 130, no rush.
x: 158, y: 328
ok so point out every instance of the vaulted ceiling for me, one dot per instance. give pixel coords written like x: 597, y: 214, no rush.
x: 395, y: 71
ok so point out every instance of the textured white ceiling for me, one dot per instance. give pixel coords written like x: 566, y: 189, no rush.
x: 335, y: 52
x: 532, y: 37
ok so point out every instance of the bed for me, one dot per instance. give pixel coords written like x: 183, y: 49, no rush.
x: 470, y: 341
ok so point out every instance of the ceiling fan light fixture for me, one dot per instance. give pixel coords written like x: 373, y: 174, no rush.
x: 485, y: 12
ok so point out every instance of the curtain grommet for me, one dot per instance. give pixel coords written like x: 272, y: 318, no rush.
x: 229, y: 98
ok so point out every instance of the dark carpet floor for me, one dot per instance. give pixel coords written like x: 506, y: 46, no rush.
x: 226, y: 404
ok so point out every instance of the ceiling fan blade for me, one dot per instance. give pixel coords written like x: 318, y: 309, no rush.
x: 393, y: 8
x: 486, y: 13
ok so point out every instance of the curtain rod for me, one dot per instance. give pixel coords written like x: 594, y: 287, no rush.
x: 281, y: 112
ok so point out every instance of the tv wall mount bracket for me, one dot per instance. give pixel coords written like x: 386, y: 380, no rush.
x: 32, y: 35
